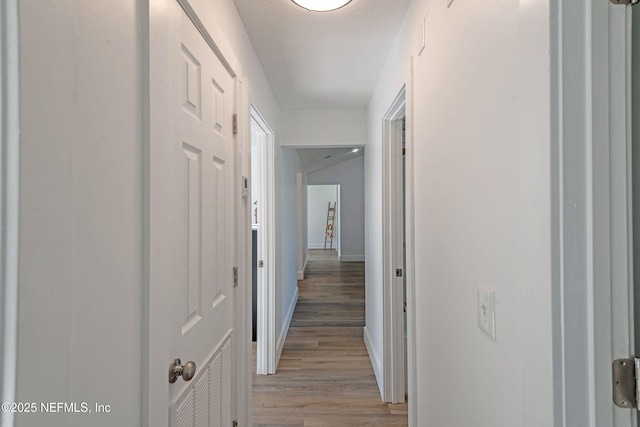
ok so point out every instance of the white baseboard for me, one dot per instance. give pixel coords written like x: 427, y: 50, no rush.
x: 351, y: 258
x: 376, y: 362
x: 282, y: 337
x: 304, y: 268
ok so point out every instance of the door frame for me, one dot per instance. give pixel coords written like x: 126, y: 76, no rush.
x: 155, y: 23
x: 336, y: 224
x: 392, y: 244
x: 337, y: 229
x: 591, y: 223
x: 266, y: 299
x: 243, y: 303
x: 9, y: 200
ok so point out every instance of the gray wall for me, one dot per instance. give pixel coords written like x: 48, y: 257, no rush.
x: 287, y: 165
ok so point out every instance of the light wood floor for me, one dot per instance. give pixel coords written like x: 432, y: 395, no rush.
x: 325, y: 376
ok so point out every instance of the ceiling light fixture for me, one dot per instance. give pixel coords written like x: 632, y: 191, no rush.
x: 321, y: 5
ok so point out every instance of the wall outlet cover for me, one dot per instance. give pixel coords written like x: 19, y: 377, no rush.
x: 487, y: 310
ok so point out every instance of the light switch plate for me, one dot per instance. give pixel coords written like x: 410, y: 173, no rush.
x: 487, y: 310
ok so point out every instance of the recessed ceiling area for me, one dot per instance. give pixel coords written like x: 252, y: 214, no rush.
x: 315, y: 159
x: 322, y: 60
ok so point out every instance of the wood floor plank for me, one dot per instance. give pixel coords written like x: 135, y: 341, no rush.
x: 325, y: 376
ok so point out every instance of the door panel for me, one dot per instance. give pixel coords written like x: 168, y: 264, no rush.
x: 192, y: 246
x: 203, y: 150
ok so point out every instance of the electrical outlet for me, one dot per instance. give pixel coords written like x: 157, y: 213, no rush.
x: 487, y: 310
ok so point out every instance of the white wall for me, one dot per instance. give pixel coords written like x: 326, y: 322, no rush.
x: 317, y: 128
x: 81, y: 202
x: 318, y: 198
x: 481, y: 113
x: 349, y: 176
x: 81, y: 209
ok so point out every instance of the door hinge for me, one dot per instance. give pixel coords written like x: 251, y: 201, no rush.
x: 235, y: 124
x: 235, y: 276
x: 625, y: 384
x: 234, y: 423
x: 398, y: 272
x: 625, y: 2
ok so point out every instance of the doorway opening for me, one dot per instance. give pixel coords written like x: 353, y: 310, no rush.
x: 263, y: 250
x: 323, y: 217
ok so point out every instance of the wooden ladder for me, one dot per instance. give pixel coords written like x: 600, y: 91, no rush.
x: 331, y: 216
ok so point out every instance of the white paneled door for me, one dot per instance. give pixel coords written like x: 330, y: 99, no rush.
x: 191, y: 235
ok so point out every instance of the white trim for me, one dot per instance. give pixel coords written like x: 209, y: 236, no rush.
x: 282, y: 337
x: 412, y: 360
x: 300, y: 252
x: 374, y: 357
x: 9, y: 201
x: 244, y: 307
x: 304, y: 269
x: 351, y: 258
x: 392, y: 240
x: 266, y: 358
x: 590, y: 283
x: 337, y: 219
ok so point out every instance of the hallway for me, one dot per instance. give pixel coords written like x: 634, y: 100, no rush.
x: 325, y: 377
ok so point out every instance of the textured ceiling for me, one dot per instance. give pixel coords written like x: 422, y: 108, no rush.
x: 322, y: 60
